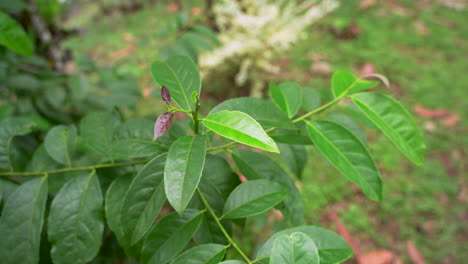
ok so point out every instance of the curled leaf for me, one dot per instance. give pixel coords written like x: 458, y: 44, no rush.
x: 165, y: 95
x: 162, y: 125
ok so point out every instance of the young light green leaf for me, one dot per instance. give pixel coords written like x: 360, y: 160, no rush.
x: 169, y: 237
x: 183, y: 170
x: 97, y: 131
x: 60, y: 143
x: 297, y: 248
x: 254, y: 165
x: 348, y: 154
x: 143, y: 200
x: 180, y: 75
x: 287, y: 96
x: 395, y: 122
x: 203, y: 254
x: 253, y: 198
x: 75, y: 223
x: 9, y: 128
x: 331, y: 247
x: 13, y: 36
x: 265, y: 112
x: 21, y: 223
x: 240, y: 127
x: 345, y: 82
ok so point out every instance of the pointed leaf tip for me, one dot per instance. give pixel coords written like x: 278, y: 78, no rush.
x: 163, y: 124
x: 165, y: 95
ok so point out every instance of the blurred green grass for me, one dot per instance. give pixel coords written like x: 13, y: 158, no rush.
x: 423, y: 205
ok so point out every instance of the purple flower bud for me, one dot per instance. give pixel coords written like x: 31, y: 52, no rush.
x: 162, y: 125
x: 165, y: 95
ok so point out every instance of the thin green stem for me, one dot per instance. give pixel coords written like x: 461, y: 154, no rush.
x: 84, y: 168
x: 218, y: 222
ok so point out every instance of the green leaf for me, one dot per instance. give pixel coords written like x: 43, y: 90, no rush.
x: 240, y: 127
x: 97, y: 131
x: 395, y: 122
x: 180, y: 75
x: 9, y: 128
x: 21, y: 223
x: 254, y: 165
x: 203, y: 254
x: 294, y: 137
x: 265, y: 112
x: 1, y: 192
x: 136, y: 148
x: 75, y: 223
x: 232, y: 262
x: 209, y: 231
x: 78, y: 84
x: 169, y: 237
x: 331, y: 247
x: 8, y: 189
x: 295, y: 157
x: 13, y: 36
x: 207, y: 33
x: 311, y: 99
x: 253, y: 198
x: 349, y: 124
x: 114, y: 202
x: 143, y: 200
x: 345, y: 82
x: 348, y: 154
x: 183, y: 170
x: 60, y: 143
x: 287, y: 96
x: 296, y: 248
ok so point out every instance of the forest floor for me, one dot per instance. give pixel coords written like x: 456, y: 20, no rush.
x: 422, y: 47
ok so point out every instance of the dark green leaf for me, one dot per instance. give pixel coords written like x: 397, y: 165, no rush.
x: 169, y: 237
x: 395, y: 122
x: 60, y: 143
x: 21, y: 223
x: 253, y: 198
x: 311, y: 99
x: 232, y: 262
x: 331, y: 247
x: 97, y: 131
x: 296, y: 248
x: 344, y: 82
x: 348, y: 154
x: 265, y: 112
x: 143, y: 200
x: 295, y: 157
x: 75, y: 223
x: 13, y: 36
x: 254, y: 165
x: 180, y: 75
x: 138, y: 128
x: 240, y: 127
x: 183, y: 170
x: 78, y: 84
x: 287, y: 96
x: 203, y: 254
x: 9, y: 128
x: 136, y: 148
x: 209, y: 231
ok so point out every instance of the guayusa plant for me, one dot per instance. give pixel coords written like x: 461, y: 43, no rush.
x: 156, y: 193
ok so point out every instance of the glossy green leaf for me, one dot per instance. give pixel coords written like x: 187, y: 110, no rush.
x: 349, y: 124
x: 254, y: 165
x: 253, y: 198
x: 265, y: 112
x: 345, y: 82
x: 209, y: 231
x: 9, y: 128
x: 13, y: 36
x: 232, y: 262
x: 180, y: 75
x: 294, y: 137
x: 97, y: 131
x: 41, y: 161
x: 311, y: 99
x: 114, y: 202
x: 143, y: 200
x: 287, y: 96
x: 136, y: 148
x: 295, y: 157
x: 203, y: 254
x: 75, y: 223
x: 169, y: 237
x: 240, y: 127
x: 60, y: 143
x: 296, y: 248
x: 395, y: 122
x: 348, y: 154
x: 21, y: 223
x: 183, y: 170
x: 8, y: 188
x: 331, y: 247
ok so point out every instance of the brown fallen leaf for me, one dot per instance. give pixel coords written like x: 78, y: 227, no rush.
x: 123, y: 52
x: 425, y: 112
x: 364, y: 4
x: 451, y: 120
x: 196, y: 11
x: 128, y: 37
x: 381, y: 256
x: 414, y: 254
x: 344, y: 233
x: 172, y: 7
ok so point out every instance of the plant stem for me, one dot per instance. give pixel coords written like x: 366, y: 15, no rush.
x: 196, y: 122
x: 218, y: 222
